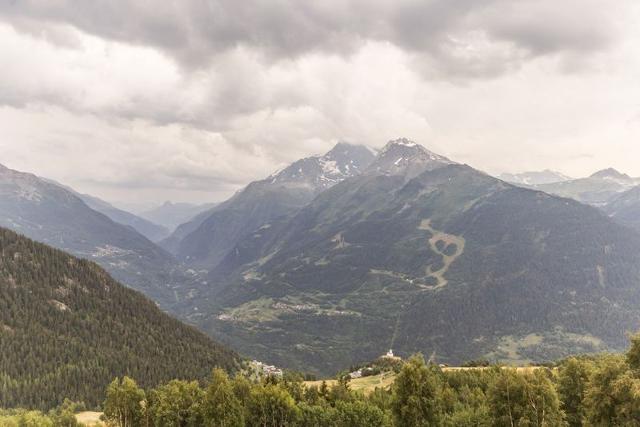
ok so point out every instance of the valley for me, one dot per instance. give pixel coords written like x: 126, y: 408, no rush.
x: 222, y: 213
x: 313, y: 273
x: 422, y: 254
x: 337, y: 256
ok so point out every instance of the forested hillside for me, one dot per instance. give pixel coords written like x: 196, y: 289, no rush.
x: 67, y: 328
x: 420, y: 254
x: 51, y: 214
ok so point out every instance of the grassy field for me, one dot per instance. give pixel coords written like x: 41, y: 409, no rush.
x: 90, y: 419
x: 385, y: 380
x: 366, y: 384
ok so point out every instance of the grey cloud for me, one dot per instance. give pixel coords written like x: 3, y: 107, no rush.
x: 194, y: 32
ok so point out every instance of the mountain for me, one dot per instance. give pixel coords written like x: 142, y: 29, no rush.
x: 54, y: 215
x: 148, y: 229
x: 625, y: 208
x: 172, y: 243
x: 596, y: 189
x: 534, y: 178
x: 613, y: 175
x: 67, y: 329
x: 419, y: 253
x: 405, y: 158
x: 171, y: 215
x: 206, y: 241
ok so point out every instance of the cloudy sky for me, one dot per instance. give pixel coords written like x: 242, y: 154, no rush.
x: 143, y: 101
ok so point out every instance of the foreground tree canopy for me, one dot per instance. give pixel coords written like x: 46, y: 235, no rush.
x: 589, y: 391
x: 579, y: 391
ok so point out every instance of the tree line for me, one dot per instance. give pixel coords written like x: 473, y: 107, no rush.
x: 601, y: 390
x: 589, y: 391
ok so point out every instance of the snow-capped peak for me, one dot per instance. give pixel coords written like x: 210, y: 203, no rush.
x: 404, y: 142
x: 343, y: 161
x: 611, y: 173
x: 406, y: 157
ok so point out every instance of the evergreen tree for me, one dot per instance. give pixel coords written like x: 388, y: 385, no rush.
x: 633, y: 353
x: 67, y: 329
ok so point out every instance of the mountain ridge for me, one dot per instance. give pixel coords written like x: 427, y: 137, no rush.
x: 206, y: 241
x: 51, y: 214
x: 368, y: 263
x: 530, y: 178
x: 596, y: 189
x: 171, y: 215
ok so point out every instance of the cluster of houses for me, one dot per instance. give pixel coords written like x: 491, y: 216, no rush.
x: 266, y: 370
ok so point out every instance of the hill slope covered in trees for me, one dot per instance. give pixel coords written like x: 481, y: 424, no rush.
x: 67, y: 328
x: 51, y: 214
x: 421, y: 254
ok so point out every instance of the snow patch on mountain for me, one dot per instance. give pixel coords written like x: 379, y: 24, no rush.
x: 530, y: 178
x: 408, y: 158
x: 342, y: 162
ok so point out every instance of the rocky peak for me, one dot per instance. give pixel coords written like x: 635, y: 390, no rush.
x: 343, y: 161
x: 405, y: 157
x: 611, y: 173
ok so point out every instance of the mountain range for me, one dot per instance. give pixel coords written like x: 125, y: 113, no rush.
x: 338, y: 257
x: 52, y: 214
x: 67, y: 329
x: 534, y: 177
x: 414, y: 252
x: 597, y: 189
x: 625, y: 208
x: 615, y: 193
x: 205, y: 240
x: 147, y: 228
x: 171, y: 215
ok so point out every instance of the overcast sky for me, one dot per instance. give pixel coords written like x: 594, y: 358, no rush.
x: 189, y: 100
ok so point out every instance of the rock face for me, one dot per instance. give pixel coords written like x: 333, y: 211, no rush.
x: 50, y: 213
x: 419, y: 253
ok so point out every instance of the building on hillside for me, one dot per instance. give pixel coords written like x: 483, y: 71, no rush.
x: 390, y: 356
x: 356, y: 374
x: 266, y: 370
